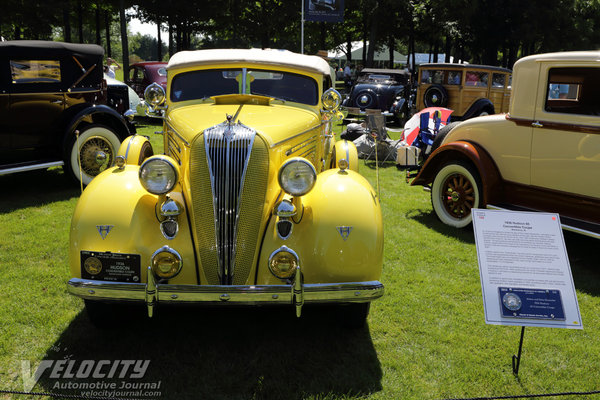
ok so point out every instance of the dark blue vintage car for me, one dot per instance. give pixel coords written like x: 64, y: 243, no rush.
x: 385, y: 89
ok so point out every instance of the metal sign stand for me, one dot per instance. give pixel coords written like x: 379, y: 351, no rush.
x: 516, y: 360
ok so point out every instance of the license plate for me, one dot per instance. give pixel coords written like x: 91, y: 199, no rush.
x: 115, y: 267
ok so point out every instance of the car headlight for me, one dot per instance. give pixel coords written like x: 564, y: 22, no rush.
x: 297, y: 176
x: 159, y: 174
x: 283, y: 262
x: 166, y: 263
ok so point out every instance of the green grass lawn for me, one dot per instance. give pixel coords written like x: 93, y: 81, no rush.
x: 425, y: 339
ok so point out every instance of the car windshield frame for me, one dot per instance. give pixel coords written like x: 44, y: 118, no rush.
x: 206, y: 83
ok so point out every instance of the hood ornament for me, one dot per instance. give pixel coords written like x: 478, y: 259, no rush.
x: 229, y: 132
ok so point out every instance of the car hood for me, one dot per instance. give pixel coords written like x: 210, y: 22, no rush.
x: 274, y: 122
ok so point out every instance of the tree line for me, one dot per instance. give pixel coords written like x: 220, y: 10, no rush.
x: 493, y: 32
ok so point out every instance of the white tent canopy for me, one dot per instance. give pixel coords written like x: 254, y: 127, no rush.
x: 357, y: 53
x: 381, y: 55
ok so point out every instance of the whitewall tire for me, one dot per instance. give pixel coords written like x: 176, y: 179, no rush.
x: 96, y: 147
x: 456, y: 189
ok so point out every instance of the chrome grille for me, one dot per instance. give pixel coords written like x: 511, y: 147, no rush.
x: 228, y: 217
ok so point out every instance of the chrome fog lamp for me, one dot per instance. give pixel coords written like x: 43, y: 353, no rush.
x: 297, y: 176
x: 159, y: 174
x: 283, y: 262
x: 331, y: 99
x: 155, y: 95
x: 166, y: 263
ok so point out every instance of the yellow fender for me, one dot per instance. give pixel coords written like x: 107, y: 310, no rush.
x: 115, y: 213
x: 135, y: 149
x: 345, y: 149
x: 338, y: 235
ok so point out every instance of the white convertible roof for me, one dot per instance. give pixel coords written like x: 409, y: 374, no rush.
x: 258, y: 56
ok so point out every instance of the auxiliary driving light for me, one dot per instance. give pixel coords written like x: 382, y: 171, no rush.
x: 297, y: 176
x: 283, y: 262
x: 166, y: 263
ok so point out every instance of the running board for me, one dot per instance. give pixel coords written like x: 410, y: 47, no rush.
x: 32, y: 167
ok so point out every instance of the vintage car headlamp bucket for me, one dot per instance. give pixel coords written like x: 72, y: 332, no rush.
x: 155, y: 95
x: 297, y: 176
x: 159, y: 174
x: 283, y: 262
x: 166, y: 263
x: 331, y: 99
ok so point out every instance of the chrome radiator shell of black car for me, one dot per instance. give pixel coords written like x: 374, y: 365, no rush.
x: 229, y: 168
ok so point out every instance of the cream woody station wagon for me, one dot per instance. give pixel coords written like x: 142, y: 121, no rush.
x: 543, y: 155
x: 244, y: 207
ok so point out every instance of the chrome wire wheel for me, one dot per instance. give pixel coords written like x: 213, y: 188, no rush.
x: 96, y: 154
x: 455, y: 192
x: 95, y: 148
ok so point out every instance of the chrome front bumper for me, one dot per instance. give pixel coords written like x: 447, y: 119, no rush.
x: 295, y: 294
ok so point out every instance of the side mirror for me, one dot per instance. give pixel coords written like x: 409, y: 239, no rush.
x: 331, y: 99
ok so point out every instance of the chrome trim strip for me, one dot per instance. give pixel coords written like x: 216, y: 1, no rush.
x: 185, y: 142
x: 347, y: 151
x: 128, y: 146
x: 236, y: 294
x: 308, y: 151
x: 301, y: 145
x: 31, y: 167
x: 299, y: 134
x: 566, y: 227
x: 172, y: 141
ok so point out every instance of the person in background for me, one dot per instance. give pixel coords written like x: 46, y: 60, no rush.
x: 111, y: 67
x: 348, y: 75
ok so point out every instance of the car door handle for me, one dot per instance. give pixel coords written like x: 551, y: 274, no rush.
x: 537, y: 124
x: 56, y: 102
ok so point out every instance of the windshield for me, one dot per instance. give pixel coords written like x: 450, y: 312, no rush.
x: 203, y: 84
x: 382, y: 79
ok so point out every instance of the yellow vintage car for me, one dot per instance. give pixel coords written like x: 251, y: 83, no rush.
x: 254, y: 201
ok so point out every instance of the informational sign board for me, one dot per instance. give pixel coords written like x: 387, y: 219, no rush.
x: 324, y: 10
x: 524, y: 269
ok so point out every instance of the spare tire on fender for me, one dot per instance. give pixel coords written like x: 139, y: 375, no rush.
x: 435, y: 96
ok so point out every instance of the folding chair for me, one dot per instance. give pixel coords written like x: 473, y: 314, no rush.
x: 376, y: 126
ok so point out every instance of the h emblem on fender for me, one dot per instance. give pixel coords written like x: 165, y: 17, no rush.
x: 344, y: 231
x: 104, y: 230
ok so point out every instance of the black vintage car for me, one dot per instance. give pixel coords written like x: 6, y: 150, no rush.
x: 53, y: 109
x: 385, y: 89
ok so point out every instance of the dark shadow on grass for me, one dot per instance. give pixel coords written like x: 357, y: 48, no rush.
x: 36, y: 188
x: 583, y: 257
x: 204, y: 353
x: 427, y: 218
x: 382, y: 165
x: 582, y: 250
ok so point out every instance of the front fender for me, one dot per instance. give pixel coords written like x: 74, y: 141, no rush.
x: 135, y: 149
x: 339, y: 233
x: 116, y: 214
x: 100, y: 114
x: 471, y: 153
x: 345, y: 149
